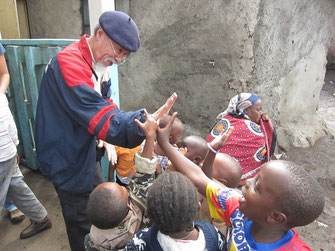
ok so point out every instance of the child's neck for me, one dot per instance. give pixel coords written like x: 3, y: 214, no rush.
x: 262, y: 234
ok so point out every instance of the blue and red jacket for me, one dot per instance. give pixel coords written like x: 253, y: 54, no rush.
x: 71, y: 114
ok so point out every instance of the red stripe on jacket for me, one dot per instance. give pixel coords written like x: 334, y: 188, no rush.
x: 75, y: 67
x: 96, y: 119
x: 104, y: 130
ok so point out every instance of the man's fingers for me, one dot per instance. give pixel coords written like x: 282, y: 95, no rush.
x: 171, y: 100
x: 145, y: 113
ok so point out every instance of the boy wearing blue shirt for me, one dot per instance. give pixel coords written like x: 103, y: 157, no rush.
x: 280, y: 197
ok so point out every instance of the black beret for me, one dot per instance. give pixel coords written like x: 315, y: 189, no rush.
x: 121, y: 28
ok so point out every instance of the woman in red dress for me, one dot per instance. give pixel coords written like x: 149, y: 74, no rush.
x: 254, y: 138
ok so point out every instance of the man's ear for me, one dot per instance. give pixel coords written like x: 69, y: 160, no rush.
x: 277, y: 217
x: 99, y: 33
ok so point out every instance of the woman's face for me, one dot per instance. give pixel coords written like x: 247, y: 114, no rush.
x: 255, y: 111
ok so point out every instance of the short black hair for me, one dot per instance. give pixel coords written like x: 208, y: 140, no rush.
x: 302, y: 199
x: 106, y: 208
x: 172, y: 202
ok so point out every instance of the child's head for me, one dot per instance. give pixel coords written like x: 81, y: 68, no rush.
x: 282, y: 194
x: 107, y: 205
x: 195, y: 148
x: 172, y: 203
x: 176, y: 130
x: 227, y: 170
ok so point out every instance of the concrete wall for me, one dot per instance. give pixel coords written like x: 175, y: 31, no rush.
x: 208, y: 52
x: 331, y: 55
x: 9, y: 22
x: 292, y: 39
x: 55, y: 19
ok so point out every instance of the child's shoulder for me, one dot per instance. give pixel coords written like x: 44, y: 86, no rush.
x: 215, y: 189
x: 215, y: 240
x: 141, y: 240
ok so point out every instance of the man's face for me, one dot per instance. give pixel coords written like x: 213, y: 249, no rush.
x: 108, y: 52
x: 260, y: 192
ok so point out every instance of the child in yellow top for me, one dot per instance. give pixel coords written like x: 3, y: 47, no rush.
x: 281, y: 196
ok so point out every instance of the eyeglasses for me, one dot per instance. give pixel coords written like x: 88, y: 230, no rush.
x: 118, y: 56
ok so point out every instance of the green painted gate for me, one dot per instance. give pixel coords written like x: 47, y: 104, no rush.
x: 26, y: 61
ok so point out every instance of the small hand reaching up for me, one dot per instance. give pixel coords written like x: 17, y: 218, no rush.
x: 221, y: 140
x: 163, y: 134
x: 214, y: 147
x: 149, y: 127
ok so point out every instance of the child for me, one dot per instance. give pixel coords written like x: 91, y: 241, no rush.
x: 226, y: 171
x: 116, y: 215
x: 279, y: 197
x: 196, y: 148
x: 192, y: 147
x: 172, y: 206
x: 175, y: 133
x: 124, y: 166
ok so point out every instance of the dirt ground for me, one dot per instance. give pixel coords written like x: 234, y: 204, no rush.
x: 318, y: 160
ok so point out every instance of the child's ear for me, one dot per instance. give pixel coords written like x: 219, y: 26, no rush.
x: 197, y: 160
x: 223, y: 181
x: 277, y: 218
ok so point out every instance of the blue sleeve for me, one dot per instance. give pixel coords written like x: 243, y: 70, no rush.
x: 80, y: 105
x: 2, y: 49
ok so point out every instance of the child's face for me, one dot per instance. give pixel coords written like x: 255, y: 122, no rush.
x: 260, y: 192
x: 186, y: 146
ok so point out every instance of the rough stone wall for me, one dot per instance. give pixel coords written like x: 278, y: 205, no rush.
x: 331, y: 55
x: 55, y: 19
x: 291, y: 43
x: 201, y: 51
x: 208, y: 52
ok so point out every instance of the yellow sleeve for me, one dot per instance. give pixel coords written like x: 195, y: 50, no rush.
x: 215, y: 209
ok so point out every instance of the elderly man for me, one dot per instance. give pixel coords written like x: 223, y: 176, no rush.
x: 74, y: 110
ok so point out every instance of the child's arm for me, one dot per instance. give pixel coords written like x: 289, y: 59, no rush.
x: 180, y: 162
x: 4, y: 74
x: 217, y: 143
x: 111, y: 171
x: 149, y: 127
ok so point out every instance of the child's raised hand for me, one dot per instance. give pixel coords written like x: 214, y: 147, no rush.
x: 163, y: 134
x: 220, y: 140
x: 150, y: 125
